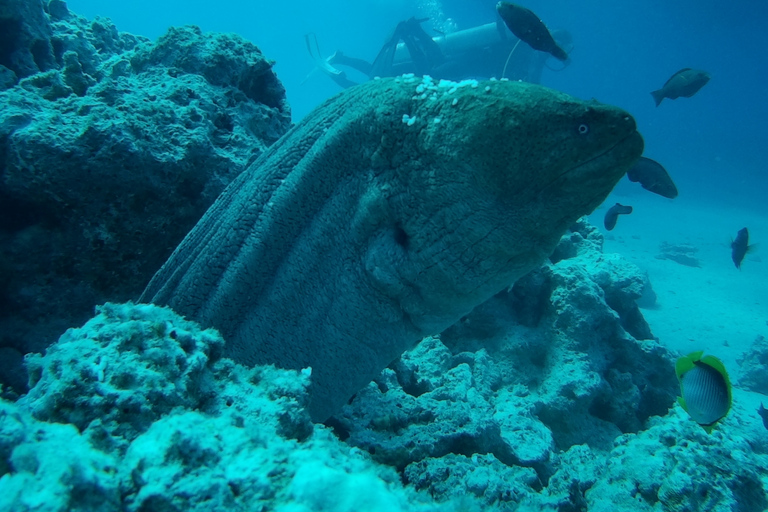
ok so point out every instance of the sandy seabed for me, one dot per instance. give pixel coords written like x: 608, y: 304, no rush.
x: 714, y: 307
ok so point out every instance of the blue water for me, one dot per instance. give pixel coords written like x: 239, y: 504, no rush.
x: 713, y: 144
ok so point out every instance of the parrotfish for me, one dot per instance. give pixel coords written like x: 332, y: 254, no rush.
x: 530, y: 29
x: 685, y: 83
x: 740, y: 247
x: 652, y: 177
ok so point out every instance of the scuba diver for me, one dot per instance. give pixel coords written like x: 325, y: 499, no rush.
x: 486, y: 51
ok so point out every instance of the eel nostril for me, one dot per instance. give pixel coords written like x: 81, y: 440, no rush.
x: 401, y: 237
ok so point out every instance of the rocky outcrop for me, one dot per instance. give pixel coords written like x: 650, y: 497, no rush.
x: 754, y: 366
x: 549, y: 365
x: 137, y: 410
x: 111, y: 148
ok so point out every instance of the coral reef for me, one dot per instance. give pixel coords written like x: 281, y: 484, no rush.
x: 25, y: 47
x: 684, y: 254
x: 676, y: 466
x: 754, y: 367
x: 52, y: 466
x: 548, y: 364
x: 553, y: 395
x: 111, y: 148
x: 136, y: 411
x: 538, y: 400
x: 526, y: 405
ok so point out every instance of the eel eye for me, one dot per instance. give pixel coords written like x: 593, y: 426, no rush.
x: 583, y: 129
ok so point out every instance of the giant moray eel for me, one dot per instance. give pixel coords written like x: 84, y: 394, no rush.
x: 387, y: 214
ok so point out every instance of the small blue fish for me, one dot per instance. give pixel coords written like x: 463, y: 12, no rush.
x: 763, y: 412
x: 612, y: 215
x: 705, y: 388
x: 740, y: 247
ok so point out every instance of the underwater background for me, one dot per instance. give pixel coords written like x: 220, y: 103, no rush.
x: 558, y: 393
x: 715, y: 145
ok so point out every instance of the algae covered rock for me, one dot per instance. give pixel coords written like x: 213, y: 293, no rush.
x: 490, y: 482
x: 454, y: 417
x: 111, y: 148
x: 754, y: 366
x: 25, y: 47
x: 675, y: 465
x: 567, y: 331
x: 52, y: 467
x: 137, y: 411
x: 133, y: 364
x: 542, y: 377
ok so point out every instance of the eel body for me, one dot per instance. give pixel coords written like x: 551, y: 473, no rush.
x: 386, y: 215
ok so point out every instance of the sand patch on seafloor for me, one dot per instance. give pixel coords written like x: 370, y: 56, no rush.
x: 714, y: 307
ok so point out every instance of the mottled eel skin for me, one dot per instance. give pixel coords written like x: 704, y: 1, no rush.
x: 363, y: 230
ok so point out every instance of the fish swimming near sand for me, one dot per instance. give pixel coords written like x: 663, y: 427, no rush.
x: 763, y: 412
x: 685, y: 83
x: 530, y: 29
x: 612, y: 215
x: 705, y: 388
x: 653, y: 177
x: 740, y: 247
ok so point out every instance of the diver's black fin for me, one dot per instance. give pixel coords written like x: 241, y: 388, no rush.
x: 361, y: 65
x: 424, y: 51
x: 382, y: 64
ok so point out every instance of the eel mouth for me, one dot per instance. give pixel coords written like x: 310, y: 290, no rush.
x: 603, y: 171
x: 623, y: 152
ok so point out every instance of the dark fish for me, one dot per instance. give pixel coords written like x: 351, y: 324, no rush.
x: 612, y: 215
x: 530, y: 29
x: 685, y: 82
x: 740, y: 247
x: 705, y: 388
x: 763, y: 412
x: 653, y: 177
